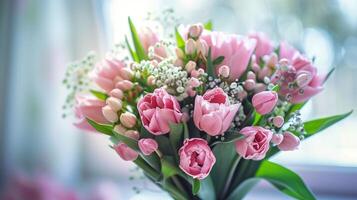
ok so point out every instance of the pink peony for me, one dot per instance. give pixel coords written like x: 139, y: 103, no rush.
x: 290, y: 142
x: 236, y: 50
x: 157, y: 110
x: 196, y: 158
x: 109, y: 72
x: 264, y: 102
x: 125, y: 152
x: 299, y: 79
x: 87, y: 107
x: 213, y: 112
x: 255, y: 144
x: 148, y: 146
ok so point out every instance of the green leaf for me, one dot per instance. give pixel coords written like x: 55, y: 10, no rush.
x: 176, y: 132
x: 99, y: 95
x: 243, y: 189
x: 285, y: 180
x: 148, y: 169
x: 208, y: 25
x: 225, y: 156
x: 168, y: 168
x: 196, y: 185
x: 179, y: 40
x: 207, y: 189
x: 218, y: 60
x: 329, y: 74
x: 145, y: 133
x: 210, y: 66
x: 126, y: 140
x: 276, y: 88
x: 317, y: 125
x: 229, y: 137
x: 153, y: 160
x: 257, y: 118
x: 131, y: 51
x: 137, y: 43
x: 164, y: 145
x: 102, y: 128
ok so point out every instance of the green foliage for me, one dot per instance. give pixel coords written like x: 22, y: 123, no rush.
x: 102, y: 128
x: 196, y: 185
x: 218, y: 60
x: 99, y: 95
x: 208, y: 25
x: 242, y: 189
x: 140, y: 52
x: 131, y: 51
x: 210, y: 66
x: 207, y: 191
x: 179, y: 40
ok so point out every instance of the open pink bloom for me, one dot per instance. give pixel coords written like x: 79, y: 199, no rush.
x: 196, y: 158
x: 299, y: 80
x: 213, y: 112
x: 125, y: 152
x: 109, y: 72
x: 148, y: 39
x: 157, y: 110
x: 236, y: 50
x: 290, y: 142
x: 264, y: 102
x: 255, y: 144
x: 148, y: 146
x: 88, y: 107
x: 264, y: 45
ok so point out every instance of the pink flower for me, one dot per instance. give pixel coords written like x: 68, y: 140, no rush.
x: 290, y: 142
x: 299, y: 79
x: 87, y: 107
x: 148, y: 146
x: 236, y: 50
x: 213, y: 112
x: 110, y: 71
x: 196, y: 158
x: 148, y: 39
x: 157, y: 110
x: 255, y: 144
x: 125, y: 152
x: 264, y: 45
x: 264, y: 102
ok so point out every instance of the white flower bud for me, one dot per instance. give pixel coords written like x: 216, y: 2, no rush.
x: 109, y: 114
x: 114, y: 103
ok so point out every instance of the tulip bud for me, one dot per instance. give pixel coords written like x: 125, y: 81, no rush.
x: 264, y: 102
x: 277, y: 139
x: 178, y: 62
x: 202, y: 47
x: 117, y: 93
x: 185, y: 117
x: 125, y: 152
x: 191, y: 65
x: 278, y: 121
x: 194, y: 82
x: 151, y: 80
x: 148, y: 146
x: 114, y: 103
x: 195, y: 30
x: 249, y: 84
x: 224, y: 71
x: 303, y: 79
x: 259, y: 87
x: 124, y: 85
x: 242, y: 95
x: 179, y: 53
x: 273, y: 60
x: 195, y: 73
x: 190, y: 46
x: 290, y: 142
x: 201, y: 71
x: 109, y: 114
x: 126, y: 73
x: 119, y: 129
x: 132, y: 134
x: 283, y: 62
x: 128, y: 119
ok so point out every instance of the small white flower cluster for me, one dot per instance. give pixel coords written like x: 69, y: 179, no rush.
x: 168, y: 45
x: 77, y: 80
x: 166, y: 74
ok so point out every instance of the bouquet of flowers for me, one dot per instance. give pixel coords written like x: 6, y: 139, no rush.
x: 201, y: 112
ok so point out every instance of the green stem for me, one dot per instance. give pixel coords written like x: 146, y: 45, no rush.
x: 147, y: 168
x: 178, y: 183
x: 230, y: 176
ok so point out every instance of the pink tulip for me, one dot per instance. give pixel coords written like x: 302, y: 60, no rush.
x: 290, y: 142
x: 213, y: 113
x: 125, y: 152
x: 235, y: 49
x: 128, y: 119
x: 108, y: 72
x: 264, y: 102
x: 299, y: 80
x: 223, y: 71
x: 91, y: 108
x: 148, y: 146
x: 196, y: 158
x: 195, y: 30
x: 157, y: 110
x: 255, y: 144
x: 132, y: 134
x: 277, y: 139
x: 278, y: 121
x: 264, y: 45
x: 149, y: 38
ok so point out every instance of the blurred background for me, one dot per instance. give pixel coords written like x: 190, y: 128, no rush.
x: 39, y: 38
